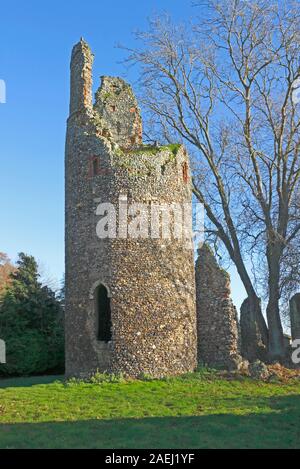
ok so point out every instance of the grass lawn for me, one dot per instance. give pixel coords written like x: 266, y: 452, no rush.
x: 201, y: 410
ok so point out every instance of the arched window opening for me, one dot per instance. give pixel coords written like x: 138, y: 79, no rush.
x: 185, y: 171
x: 119, y: 128
x: 95, y: 166
x: 102, y: 307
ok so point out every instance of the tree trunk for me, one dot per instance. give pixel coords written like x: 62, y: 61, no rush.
x: 276, y: 341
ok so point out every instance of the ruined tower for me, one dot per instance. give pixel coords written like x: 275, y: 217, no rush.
x: 130, y: 299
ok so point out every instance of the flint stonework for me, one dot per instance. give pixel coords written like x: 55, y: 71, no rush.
x: 252, y: 343
x: 218, y: 337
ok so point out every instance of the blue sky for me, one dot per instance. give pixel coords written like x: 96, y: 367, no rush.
x: 35, y: 45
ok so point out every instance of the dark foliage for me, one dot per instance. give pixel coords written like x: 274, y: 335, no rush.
x: 31, y: 323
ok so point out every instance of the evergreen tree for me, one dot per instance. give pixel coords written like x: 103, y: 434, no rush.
x: 31, y: 323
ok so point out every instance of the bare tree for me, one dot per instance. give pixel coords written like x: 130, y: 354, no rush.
x: 227, y: 86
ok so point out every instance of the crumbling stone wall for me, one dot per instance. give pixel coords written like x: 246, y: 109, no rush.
x: 295, y: 316
x: 151, y: 282
x: 117, y: 107
x: 253, y: 346
x: 217, y: 324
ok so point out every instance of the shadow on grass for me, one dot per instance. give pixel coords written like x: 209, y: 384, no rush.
x: 29, y: 381
x: 277, y: 429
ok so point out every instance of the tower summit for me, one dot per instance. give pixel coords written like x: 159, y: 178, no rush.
x: 130, y: 294
x: 81, y: 78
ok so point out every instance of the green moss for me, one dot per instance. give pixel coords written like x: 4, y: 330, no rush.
x: 149, y: 149
x: 106, y: 96
x: 125, y: 157
x: 119, y: 152
x: 173, y: 148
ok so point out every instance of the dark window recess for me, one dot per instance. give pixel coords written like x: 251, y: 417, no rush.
x: 185, y: 172
x: 119, y: 127
x: 96, y: 168
x: 102, y: 306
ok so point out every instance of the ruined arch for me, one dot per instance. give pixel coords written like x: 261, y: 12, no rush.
x: 101, y: 301
x: 95, y: 285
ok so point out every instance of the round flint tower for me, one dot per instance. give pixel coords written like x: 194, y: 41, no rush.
x: 130, y: 294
